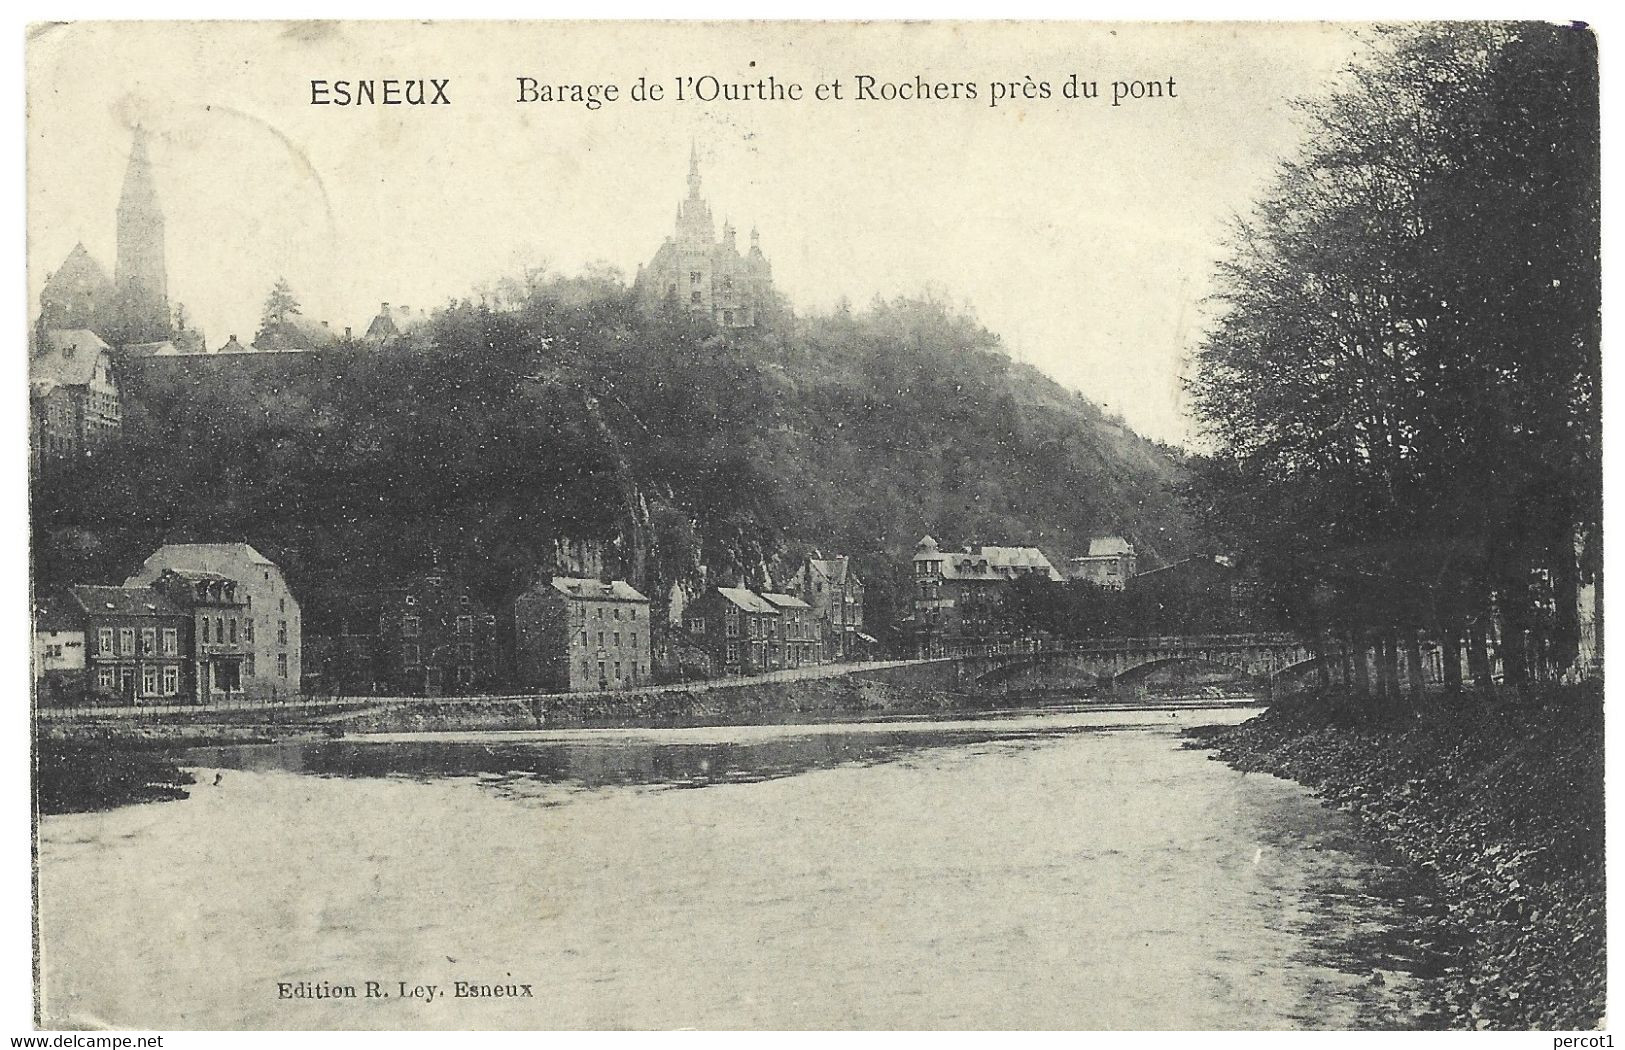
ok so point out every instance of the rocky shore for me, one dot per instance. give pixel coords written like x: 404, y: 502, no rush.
x: 1499, y: 804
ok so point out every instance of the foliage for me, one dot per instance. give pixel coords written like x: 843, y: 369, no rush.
x: 1403, y: 389
x: 561, y: 412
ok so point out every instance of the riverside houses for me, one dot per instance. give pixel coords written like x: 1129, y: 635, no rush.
x: 957, y: 594
x: 133, y: 642
x: 217, y: 635
x: 798, y: 642
x: 835, y: 594
x: 271, y: 620
x: 434, y: 638
x: 574, y: 633
x: 736, y: 626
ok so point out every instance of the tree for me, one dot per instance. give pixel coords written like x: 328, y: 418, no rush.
x: 278, y: 305
x: 1403, y: 386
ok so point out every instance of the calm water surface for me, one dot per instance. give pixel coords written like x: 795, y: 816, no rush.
x: 1065, y: 870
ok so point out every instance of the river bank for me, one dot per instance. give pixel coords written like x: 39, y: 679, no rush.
x: 1501, y: 805
x: 105, y: 763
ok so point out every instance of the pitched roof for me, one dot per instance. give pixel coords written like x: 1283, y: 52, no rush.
x: 123, y: 601
x: 834, y: 569
x: 67, y: 358
x: 56, y: 612
x: 584, y: 587
x: 994, y: 563
x: 1103, y: 546
x: 161, y: 348
x: 205, y: 550
x: 746, y: 600
x: 784, y: 601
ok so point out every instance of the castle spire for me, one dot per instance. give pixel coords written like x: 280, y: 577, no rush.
x: 693, y: 171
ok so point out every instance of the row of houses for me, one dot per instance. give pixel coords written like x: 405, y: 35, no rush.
x: 958, y: 594
x: 197, y: 623
x: 431, y: 636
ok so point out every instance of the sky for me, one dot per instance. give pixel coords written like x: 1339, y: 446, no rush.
x: 1083, y: 233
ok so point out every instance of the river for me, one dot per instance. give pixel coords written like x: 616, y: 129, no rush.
x: 1068, y: 870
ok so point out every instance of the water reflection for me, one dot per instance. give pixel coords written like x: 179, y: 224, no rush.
x: 605, y: 761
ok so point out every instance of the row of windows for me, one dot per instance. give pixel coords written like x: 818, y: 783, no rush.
x: 126, y: 641
x: 412, y: 656
x: 615, y: 635
x: 150, y: 680
x: 637, y: 670
x: 412, y: 626
x: 412, y: 599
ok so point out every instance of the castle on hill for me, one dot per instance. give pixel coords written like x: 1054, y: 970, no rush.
x: 708, y: 275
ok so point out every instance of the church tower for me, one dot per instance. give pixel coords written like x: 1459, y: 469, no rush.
x: 139, y: 279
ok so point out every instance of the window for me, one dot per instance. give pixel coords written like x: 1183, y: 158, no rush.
x: 282, y: 665
x: 172, y: 641
x: 465, y: 653
x: 282, y: 632
x: 617, y: 637
x: 104, y: 678
x: 617, y: 668
x: 583, y: 639
x: 600, y: 612
x: 232, y: 633
x: 600, y: 639
x: 463, y: 601
x: 601, y: 669
x: 634, y: 639
x: 465, y: 626
x: 634, y: 612
x: 696, y: 624
x: 126, y: 640
x: 693, y: 277
x: 727, y: 317
x: 409, y: 627
x: 282, y: 604
x: 617, y: 612
x: 149, y: 640
x: 104, y: 642
x: 248, y: 664
x: 149, y: 681
x: 732, y: 624
x: 583, y: 668
x: 172, y: 681
x: 219, y: 629
x: 694, y: 297
x: 733, y: 652
x: 248, y: 630
x: 409, y: 655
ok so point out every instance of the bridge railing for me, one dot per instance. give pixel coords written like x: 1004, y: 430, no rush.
x: 1168, y: 641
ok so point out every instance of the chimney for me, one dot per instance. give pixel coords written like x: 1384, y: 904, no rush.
x: 383, y: 308
x: 346, y: 332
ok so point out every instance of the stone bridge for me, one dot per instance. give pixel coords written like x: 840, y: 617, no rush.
x: 1110, y: 662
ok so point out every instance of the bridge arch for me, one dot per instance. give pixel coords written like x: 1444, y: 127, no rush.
x: 1142, y: 671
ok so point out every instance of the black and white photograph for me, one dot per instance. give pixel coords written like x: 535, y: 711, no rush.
x: 814, y: 526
